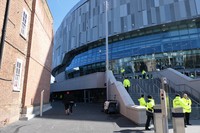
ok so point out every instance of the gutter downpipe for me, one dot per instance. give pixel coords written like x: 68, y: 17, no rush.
x: 4, y: 30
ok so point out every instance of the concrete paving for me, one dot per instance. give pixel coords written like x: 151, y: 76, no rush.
x: 86, y: 118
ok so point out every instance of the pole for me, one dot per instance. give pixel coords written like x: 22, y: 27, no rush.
x: 107, y: 62
x: 163, y: 100
x: 41, y: 102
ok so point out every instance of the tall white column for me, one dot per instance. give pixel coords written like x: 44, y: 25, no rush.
x: 107, y: 61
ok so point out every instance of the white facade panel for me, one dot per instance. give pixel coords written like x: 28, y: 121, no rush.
x: 153, y: 15
x: 183, y: 13
x: 144, y: 15
x: 123, y: 10
x: 198, y: 6
x: 193, y: 7
x: 89, y: 14
x: 129, y: 25
x: 162, y: 14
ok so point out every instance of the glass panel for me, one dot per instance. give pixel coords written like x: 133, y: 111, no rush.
x: 183, y: 29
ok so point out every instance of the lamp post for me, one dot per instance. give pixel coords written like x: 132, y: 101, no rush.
x: 107, y: 62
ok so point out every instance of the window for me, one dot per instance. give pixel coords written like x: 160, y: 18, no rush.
x: 17, y: 75
x: 24, y: 24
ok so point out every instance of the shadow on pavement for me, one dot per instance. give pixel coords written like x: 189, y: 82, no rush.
x: 129, y: 131
x: 86, y: 112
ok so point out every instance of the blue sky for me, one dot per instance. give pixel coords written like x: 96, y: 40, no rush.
x: 59, y: 9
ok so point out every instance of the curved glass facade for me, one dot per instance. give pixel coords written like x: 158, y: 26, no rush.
x: 175, y: 46
x: 143, y: 34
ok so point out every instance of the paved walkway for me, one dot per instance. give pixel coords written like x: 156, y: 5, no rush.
x: 86, y: 118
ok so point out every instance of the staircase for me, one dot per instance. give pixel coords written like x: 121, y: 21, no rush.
x: 152, y: 87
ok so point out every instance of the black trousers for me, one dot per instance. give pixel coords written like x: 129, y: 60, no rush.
x: 127, y: 88
x: 71, y: 106
x: 187, y: 118
x: 149, y: 118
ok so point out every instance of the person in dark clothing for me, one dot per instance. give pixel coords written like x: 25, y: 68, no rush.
x: 51, y: 98
x: 68, y: 102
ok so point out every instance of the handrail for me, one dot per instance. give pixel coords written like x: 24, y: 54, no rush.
x: 192, y: 91
x: 141, y: 90
x: 183, y: 89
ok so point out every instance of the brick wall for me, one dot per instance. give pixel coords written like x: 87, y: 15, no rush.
x: 39, y: 62
x: 39, y: 71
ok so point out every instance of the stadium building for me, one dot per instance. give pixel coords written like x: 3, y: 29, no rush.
x: 148, y: 35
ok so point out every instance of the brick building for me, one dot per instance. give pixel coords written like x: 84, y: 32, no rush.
x: 26, y: 54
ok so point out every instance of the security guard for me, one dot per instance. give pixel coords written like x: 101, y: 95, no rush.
x: 178, y: 102
x: 144, y: 74
x: 127, y: 83
x: 142, y: 101
x: 122, y: 71
x: 188, y: 102
x: 149, y: 111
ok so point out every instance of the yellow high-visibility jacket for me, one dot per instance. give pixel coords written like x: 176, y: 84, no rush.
x: 126, y: 83
x: 142, y: 101
x: 178, y: 102
x: 122, y: 70
x: 150, y: 104
x: 189, y: 103
x: 143, y: 72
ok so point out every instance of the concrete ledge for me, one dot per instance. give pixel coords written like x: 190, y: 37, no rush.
x: 30, y: 112
x: 136, y: 114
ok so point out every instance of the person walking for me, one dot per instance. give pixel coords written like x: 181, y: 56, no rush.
x: 188, y: 102
x: 178, y: 102
x: 68, y: 102
x: 149, y: 111
x: 142, y: 101
x: 127, y: 83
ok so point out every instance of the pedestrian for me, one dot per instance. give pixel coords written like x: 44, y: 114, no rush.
x: 61, y: 97
x: 188, y: 102
x: 178, y: 102
x: 51, y: 98
x: 68, y: 102
x: 149, y: 111
x: 127, y: 83
x: 142, y: 101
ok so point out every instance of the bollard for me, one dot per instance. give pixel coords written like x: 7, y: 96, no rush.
x: 164, y: 110
x: 158, y: 126
x: 178, y: 120
x: 41, y: 102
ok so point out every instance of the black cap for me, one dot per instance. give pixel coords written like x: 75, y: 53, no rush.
x: 177, y: 95
x: 149, y: 96
x: 142, y: 95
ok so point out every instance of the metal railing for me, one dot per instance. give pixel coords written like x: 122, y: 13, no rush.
x: 182, y: 88
x: 140, y: 86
